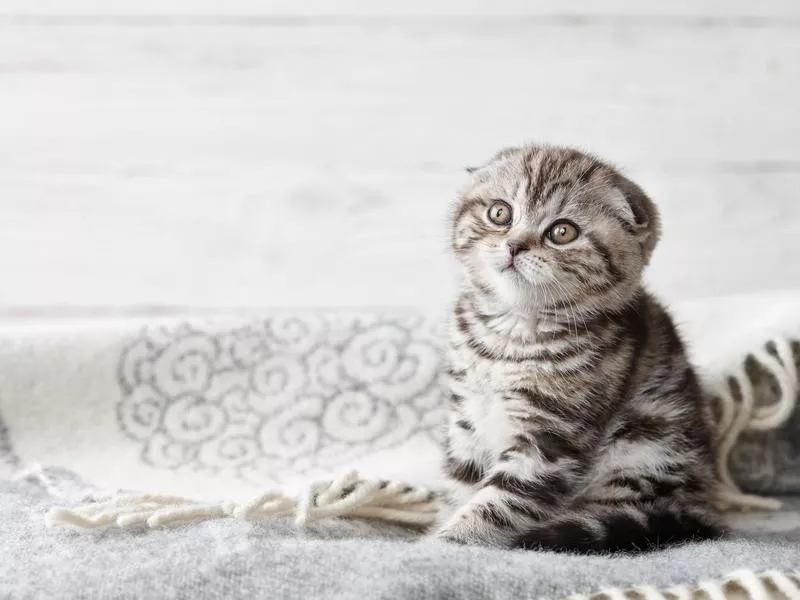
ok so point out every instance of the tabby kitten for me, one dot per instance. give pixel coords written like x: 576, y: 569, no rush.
x: 576, y: 422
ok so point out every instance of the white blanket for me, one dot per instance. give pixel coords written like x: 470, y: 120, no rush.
x: 224, y: 406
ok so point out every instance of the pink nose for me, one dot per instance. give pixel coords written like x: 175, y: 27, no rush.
x: 516, y: 246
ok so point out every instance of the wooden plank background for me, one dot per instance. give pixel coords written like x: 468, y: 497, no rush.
x: 192, y: 153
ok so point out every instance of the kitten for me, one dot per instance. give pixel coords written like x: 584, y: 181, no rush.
x: 576, y: 422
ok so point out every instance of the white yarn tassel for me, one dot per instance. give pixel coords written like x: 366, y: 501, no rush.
x: 740, y: 584
x: 747, y: 415
x: 348, y: 496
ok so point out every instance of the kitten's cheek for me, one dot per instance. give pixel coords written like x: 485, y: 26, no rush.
x: 485, y: 264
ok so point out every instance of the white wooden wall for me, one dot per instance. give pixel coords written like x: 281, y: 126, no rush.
x: 246, y: 153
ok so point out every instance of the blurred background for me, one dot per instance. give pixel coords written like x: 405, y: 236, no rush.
x: 175, y: 154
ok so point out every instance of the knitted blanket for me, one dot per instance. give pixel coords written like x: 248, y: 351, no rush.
x: 216, y: 408
x: 354, y: 560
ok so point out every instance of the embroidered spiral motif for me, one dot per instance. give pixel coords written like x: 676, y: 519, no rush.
x: 356, y: 416
x: 191, y: 419
x: 185, y: 366
x: 143, y: 410
x: 283, y: 395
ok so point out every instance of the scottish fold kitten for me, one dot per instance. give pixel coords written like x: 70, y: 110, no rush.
x: 576, y: 421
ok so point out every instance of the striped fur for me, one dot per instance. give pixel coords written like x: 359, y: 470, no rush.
x: 576, y: 421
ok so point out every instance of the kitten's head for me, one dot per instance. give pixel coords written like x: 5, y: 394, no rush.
x: 553, y: 227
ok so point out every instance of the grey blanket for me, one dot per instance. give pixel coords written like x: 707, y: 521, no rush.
x: 339, y: 560
x: 229, y: 408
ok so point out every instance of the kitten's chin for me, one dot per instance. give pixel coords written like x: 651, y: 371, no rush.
x: 505, y: 283
x: 512, y: 288
x: 521, y: 280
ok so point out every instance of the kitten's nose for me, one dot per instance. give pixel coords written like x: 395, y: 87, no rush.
x: 516, y: 246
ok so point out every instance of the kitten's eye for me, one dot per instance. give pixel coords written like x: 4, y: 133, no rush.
x: 563, y: 232
x: 500, y: 213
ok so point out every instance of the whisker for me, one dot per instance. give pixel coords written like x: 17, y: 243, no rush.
x: 566, y: 300
x: 553, y: 333
x: 572, y: 305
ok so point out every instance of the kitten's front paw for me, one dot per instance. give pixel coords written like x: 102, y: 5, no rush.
x: 454, y: 537
x: 463, y: 530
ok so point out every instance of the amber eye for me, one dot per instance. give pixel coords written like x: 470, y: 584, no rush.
x: 563, y: 232
x: 500, y: 213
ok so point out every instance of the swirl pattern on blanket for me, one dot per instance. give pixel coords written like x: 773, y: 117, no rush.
x: 283, y: 395
x: 307, y: 393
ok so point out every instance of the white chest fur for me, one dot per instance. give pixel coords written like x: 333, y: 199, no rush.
x: 493, y: 429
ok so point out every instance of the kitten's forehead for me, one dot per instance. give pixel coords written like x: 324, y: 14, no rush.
x: 537, y: 176
x: 539, y: 167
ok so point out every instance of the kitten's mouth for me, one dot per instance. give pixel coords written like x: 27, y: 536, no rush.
x: 510, y: 267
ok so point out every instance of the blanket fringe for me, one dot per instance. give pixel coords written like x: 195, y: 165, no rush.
x: 347, y: 496
x: 739, y: 584
x: 741, y: 414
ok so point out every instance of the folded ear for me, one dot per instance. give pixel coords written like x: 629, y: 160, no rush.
x: 646, y: 220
